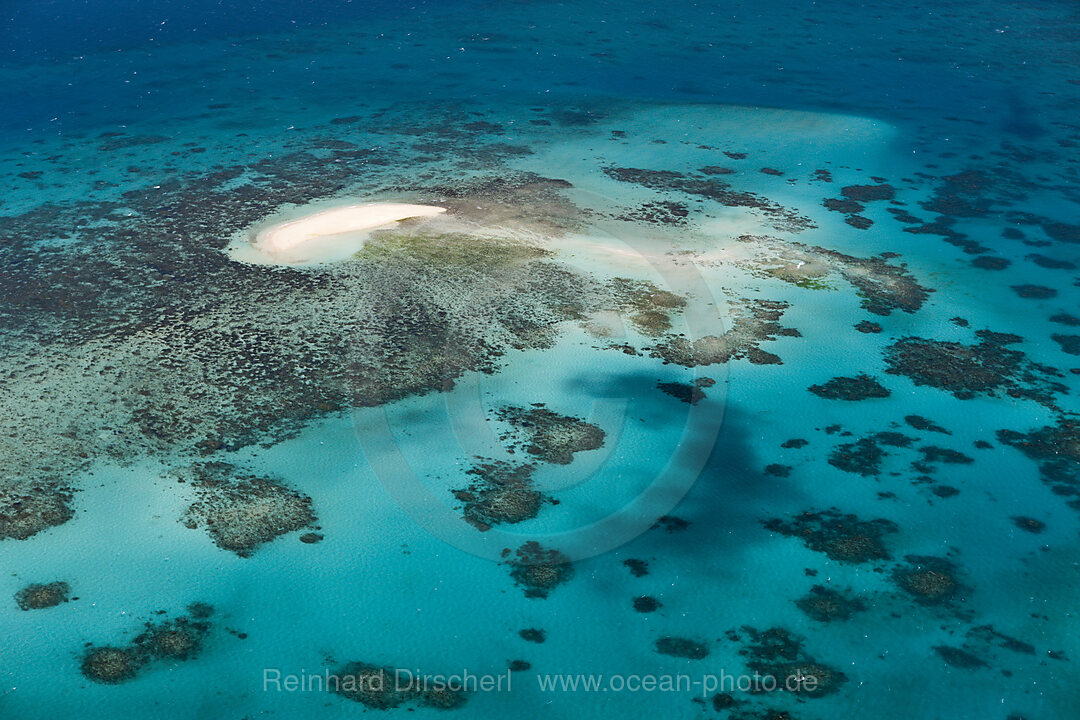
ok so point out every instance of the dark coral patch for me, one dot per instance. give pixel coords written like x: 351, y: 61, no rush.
x: 828, y: 604
x: 929, y: 580
x: 865, y: 326
x: 551, y: 437
x: 671, y: 523
x: 779, y: 654
x: 959, y: 658
x: 860, y: 387
x: 686, y: 392
x: 970, y: 370
x: 174, y: 640
x: 24, y: 514
x: 40, y: 596
x: 843, y: 537
x: 1051, y: 263
x: 989, y: 262
x: 646, y: 604
x: 1069, y: 343
x: 111, y: 665
x: 383, y: 688
x: 682, y: 648
x: 1028, y: 524
x: 755, y: 321
x: 662, y: 212
x: 501, y: 493
x: 533, y: 635
x: 778, y: 470
x: 842, y: 205
x: 920, y: 423
x: 868, y: 193
x: 1056, y: 449
x: 712, y: 189
x: 540, y: 570
x: 241, y: 511
x: 1035, y: 292
x: 1065, y: 319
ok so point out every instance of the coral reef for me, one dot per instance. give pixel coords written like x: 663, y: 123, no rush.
x: 39, y: 596
x: 882, y: 286
x: 828, y: 604
x: 860, y: 387
x: 663, y: 212
x: 501, y: 493
x: 929, y: 580
x: 383, y: 688
x: 755, y: 321
x: 920, y: 423
x: 969, y: 370
x: 540, y: 570
x: 116, y: 368
x: 110, y: 665
x: 958, y: 657
x: 843, y: 537
x: 686, y: 392
x: 711, y: 188
x: 27, y: 510
x: 682, y: 648
x: 170, y: 640
x: 1069, y: 343
x: 241, y: 511
x: 1056, y: 450
x: 534, y: 635
x: 551, y: 437
x: 647, y: 604
x: 779, y: 654
x: 1028, y: 524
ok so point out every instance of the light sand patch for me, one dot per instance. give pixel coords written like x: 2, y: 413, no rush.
x: 323, y: 236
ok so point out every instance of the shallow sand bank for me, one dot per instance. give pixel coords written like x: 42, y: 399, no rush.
x: 324, y: 236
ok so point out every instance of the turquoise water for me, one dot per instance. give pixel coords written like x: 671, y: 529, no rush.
x: 759, y: 320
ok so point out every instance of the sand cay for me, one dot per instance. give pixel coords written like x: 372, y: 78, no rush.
x: 327, y: 235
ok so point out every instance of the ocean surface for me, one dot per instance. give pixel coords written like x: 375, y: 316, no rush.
x: 739, y: 378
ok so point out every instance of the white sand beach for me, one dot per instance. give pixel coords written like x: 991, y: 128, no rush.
x: 326, y: 235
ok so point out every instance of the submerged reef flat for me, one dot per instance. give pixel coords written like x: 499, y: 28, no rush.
x: 241, y: 511
x: 755, y: 322
x: 549, y: 436
x: 500, y: 493
x: 929, y: 580
x: 860, y: 387
x: 712, y: 188
x: 985, y: 368
x: 173, y: 640
x: 682, y: 648
x: 843, y: 537
x: 780, y: 654
x: 826, y: 604
x: 26, y: 510
x: 129, y: 354
x: 38, y: 596
x: 881, y: 285
x: 539, y: 570
x: 1056, y: 450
